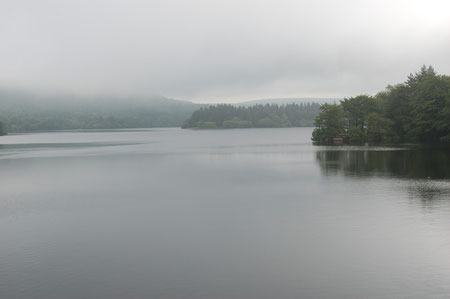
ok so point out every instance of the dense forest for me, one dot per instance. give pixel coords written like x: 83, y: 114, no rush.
x: 22, y: 112
x: 2, y: 129
x: 417, y: 110
x: 257, y: 116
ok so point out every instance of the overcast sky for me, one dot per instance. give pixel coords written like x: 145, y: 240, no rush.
x: 220, y: 51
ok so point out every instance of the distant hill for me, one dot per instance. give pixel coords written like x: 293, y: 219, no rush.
x: 24, y: 112
x: 285, y: 101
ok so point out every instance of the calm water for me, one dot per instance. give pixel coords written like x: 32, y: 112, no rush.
x: 261, y: 213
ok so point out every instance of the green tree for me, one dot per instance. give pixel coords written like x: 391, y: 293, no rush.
x: 236, y: 122
x: 406, y: 103
x: 357, y: 109
x: 207, y: 125
x: 379, y: 128
x: 2, y: 129
x: 398, y: 109
x: 329, y: 123
x: 430, y: 108
x: 355, y: 135
x: 417, y: 110
x: 266, y: 116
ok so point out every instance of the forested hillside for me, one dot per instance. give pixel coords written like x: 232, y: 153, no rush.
x: 21, y: 112
x: 257, y: 116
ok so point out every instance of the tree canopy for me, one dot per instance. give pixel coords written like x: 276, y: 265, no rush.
x: 2, y: 129
x: 417, y: 110
x: 258, y: 116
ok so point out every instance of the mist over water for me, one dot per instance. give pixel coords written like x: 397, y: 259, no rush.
x: 251, y: 213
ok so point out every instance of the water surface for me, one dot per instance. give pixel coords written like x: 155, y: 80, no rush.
x: 251, y: 213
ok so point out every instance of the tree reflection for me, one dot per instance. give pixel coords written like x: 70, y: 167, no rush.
x: 427, y: 170
x: 429, y: 191
x: 414, y: 163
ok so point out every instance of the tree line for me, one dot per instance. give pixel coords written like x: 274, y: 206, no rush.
x: 258, y: 116
x: 417, y: 110
x: 2, y: 129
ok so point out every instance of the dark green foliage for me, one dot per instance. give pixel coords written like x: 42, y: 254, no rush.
x: 258, y: 116
x: 267, y: 122
x: 207, y: 125
x: 430, y: 103
x: 355, y: 135
x: 2, y: 129
x: 415, y: 111
x: 419, y: 162
x: 379, y: 128
x: 357, y: 109
x: 424, y: 107
x: 237, y: 123
x: 329, y: 123
x: 398, y: 108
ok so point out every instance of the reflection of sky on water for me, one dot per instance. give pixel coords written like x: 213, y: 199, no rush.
x: 176, y: 213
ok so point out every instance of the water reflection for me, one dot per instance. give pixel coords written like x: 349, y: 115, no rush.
x: 429, y: 190
x: 220, y: 214
x: 412, y: 163
x: 424, y: 172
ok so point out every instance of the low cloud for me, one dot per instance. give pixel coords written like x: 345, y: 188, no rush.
x: 209, y: 51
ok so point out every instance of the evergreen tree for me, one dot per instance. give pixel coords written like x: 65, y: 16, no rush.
x: 329, y: 123
x: 263, y: 116
x: 2, y: 129
x: 416, y: 111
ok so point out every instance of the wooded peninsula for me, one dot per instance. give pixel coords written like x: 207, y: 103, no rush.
x: 417, y: 110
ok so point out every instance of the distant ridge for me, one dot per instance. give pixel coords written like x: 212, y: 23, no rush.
x: 8, y: 95
x: 284, y: 101
x: 25, y: 111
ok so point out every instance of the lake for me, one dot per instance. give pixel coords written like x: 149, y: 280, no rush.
x: 251, y: 213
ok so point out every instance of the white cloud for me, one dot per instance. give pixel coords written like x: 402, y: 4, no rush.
x: 209, y: 50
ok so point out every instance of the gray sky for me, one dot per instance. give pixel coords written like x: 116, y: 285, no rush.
x: 220, y: 51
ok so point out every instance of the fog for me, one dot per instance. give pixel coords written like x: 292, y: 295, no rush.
x: 219, y: 51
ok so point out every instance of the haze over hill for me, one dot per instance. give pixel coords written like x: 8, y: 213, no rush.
x: 220, y: 51
x: 36, y: 111
x: 205, y: 52
x: 24, y: 111
x: 285, y: 101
